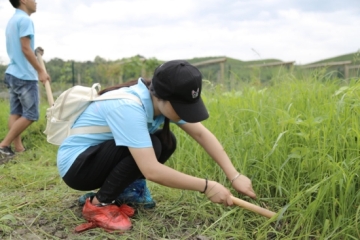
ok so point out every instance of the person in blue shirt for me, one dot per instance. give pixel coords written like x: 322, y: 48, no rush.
x: 22, y: 75
x: 136, y: 148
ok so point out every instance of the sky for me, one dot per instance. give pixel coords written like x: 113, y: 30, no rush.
x: 303, y: 31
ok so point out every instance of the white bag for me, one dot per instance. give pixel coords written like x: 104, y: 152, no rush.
x: 68, y: 107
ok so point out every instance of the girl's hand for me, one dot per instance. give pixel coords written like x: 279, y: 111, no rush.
x: 217, y: 193
x: 242, y: 184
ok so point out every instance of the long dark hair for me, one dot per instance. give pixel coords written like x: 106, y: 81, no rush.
x: 165, y: 134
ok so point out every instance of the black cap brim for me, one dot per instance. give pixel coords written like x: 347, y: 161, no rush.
x: 192, y: 113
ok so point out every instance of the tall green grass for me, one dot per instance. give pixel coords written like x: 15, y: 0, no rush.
x: 297, y: 139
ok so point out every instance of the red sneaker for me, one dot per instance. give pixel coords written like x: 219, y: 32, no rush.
x: 107, y: 217
x: 125, y: 209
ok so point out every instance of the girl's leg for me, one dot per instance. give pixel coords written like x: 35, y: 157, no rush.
x: 166, y: 151
x: 127, y: 170
x: 137, y: 193
x: 110, y: 168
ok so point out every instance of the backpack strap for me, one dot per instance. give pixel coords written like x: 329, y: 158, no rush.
x: 117, y: 95
x: 104, y: 129
x: 90, y: 129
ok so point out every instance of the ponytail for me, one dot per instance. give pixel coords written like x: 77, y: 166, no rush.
x: 126, y: 84
x: 166, y: 134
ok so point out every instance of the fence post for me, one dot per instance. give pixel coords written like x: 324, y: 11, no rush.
x: 346, y: 70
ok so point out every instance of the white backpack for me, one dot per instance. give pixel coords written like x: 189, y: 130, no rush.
x: 68, y: 107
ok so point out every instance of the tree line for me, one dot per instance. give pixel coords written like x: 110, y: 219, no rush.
x: 100, y: 70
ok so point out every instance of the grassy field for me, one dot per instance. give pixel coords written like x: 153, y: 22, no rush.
x: 297, y: 140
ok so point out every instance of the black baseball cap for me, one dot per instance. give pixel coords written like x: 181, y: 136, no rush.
x: 180, y: 83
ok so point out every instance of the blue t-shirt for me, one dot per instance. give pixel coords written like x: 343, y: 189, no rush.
x: 130, y: 124
x: 20, y: 25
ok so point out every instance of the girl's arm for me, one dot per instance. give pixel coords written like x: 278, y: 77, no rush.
x: 213, y: 147
x: 156, y: 172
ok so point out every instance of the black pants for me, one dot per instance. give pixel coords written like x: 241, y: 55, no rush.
x: 111, y: 168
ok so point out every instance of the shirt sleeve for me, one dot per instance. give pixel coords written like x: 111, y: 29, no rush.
x: 181, y: 122
x: 128, y: 124
x: 26, y: 27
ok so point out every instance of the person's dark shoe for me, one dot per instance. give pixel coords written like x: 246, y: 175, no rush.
x: 6, y: 151
x: 82, y: 199
x: 137, y: 194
